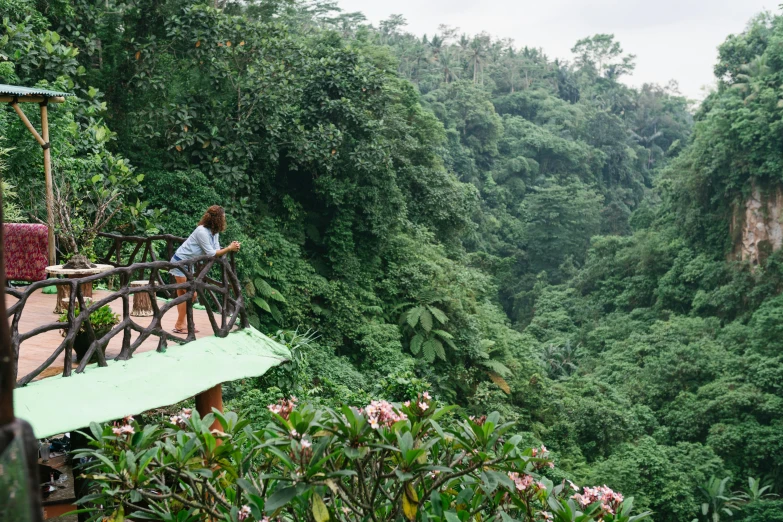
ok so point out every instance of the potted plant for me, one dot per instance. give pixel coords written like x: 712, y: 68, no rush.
x: 102, y: 320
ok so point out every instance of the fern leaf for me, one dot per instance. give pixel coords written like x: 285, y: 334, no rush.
x: 428, y: 350
x: 497, y: 367
x: 277, y: 296
x: 416, y: 344
x: 426, y: 320
x: 500, y: 382
x: 439, y: 315
x: 263, y: 305
x: 486, y: 344
x: 276, y: 315
x: 439, y: 351
x: 447, y: 338
x: 262, y: 287
x: 413, y: 315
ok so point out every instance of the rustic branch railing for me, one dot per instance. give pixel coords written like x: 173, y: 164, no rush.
x: 219, y: 296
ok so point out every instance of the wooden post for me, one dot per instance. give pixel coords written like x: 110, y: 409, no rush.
x: 211, y: 398
x: 49, y: 184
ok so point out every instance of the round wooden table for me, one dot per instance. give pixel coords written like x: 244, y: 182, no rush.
x: 64, y: 291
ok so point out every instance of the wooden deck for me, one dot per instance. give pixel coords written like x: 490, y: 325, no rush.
x: 39, y: 310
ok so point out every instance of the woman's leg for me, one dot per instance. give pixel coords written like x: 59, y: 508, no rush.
x: 182, y: 308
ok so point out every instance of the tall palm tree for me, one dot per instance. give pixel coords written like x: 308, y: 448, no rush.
x: 753, y: 77
x: 448, y: 66
x: 478, y: 56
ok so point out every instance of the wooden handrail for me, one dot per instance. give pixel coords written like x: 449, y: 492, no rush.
x: 222, y: 296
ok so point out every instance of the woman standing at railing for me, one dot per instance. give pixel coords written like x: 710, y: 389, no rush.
x: 204, y: 241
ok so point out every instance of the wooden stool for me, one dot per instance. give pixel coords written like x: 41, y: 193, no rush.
x: 142, y: 301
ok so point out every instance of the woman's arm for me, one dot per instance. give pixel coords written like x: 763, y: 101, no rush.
x: 233, y: 247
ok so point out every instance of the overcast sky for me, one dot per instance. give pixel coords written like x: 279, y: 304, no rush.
x: 672, y: 39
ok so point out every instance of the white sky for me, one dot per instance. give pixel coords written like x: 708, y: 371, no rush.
x: 672, y: 39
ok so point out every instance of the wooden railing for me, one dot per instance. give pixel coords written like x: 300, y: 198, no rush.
x: 213, y: 279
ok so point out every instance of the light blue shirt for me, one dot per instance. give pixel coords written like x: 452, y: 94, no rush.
x: 200, y: 243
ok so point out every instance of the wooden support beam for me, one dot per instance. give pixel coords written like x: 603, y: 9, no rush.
x: 211, y: 398
x: 49, y: 183
x: 31, y: 99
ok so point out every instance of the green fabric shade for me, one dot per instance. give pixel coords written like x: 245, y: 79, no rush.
x: 148, y: 380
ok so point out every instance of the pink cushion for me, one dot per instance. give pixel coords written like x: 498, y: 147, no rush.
x: 25, y: 249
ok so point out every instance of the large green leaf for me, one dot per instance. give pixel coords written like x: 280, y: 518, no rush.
x: 413, y: 315
x: 439, y: 315
x: 280, y: 498
x: 428, y: 349
x: 426, y: 320
x: 439, y: 351
x: 263, y: 305
x: 416, y: 344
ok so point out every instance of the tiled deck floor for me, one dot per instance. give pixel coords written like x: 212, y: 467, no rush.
x: 39, y: 311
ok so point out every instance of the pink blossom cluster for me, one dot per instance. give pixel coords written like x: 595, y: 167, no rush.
x: 122, y: 430
x: 421, y: 404
x: 523, y: 481
x: 283, y: 407
x: 181, y: 419
x: 542, y: 453
x: 609, y: 500
x: 382, y: 413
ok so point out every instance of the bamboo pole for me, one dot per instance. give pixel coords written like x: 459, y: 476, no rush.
x: 43, y: 141
x: 49, y: 184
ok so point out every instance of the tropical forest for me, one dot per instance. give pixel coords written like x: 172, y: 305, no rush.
x: 514, y: 287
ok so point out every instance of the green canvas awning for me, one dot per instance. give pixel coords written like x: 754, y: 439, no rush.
x: 149, y: 380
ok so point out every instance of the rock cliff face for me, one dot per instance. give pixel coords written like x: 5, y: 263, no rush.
x: 756, y: 225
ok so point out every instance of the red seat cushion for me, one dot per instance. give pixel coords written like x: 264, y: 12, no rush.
x: 25, y: 248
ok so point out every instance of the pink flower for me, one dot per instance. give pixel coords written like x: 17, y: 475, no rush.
x: 426, y: 395
x: 547, y: 515
x: 522, y: 482
x: 382, y: 414
x: 122, y: 430
x: 407, y: 404
x: 244, y: 512
x: 423, y: 406
x: 128, y: 419
x: 609, y: 500
x: 294, y: 433
x: 283, y: 407
x: 306, y: 444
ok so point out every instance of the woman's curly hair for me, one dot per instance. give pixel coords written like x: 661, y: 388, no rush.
x: 214, y: 219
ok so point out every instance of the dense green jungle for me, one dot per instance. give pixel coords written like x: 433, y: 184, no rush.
x: 450, y: 213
